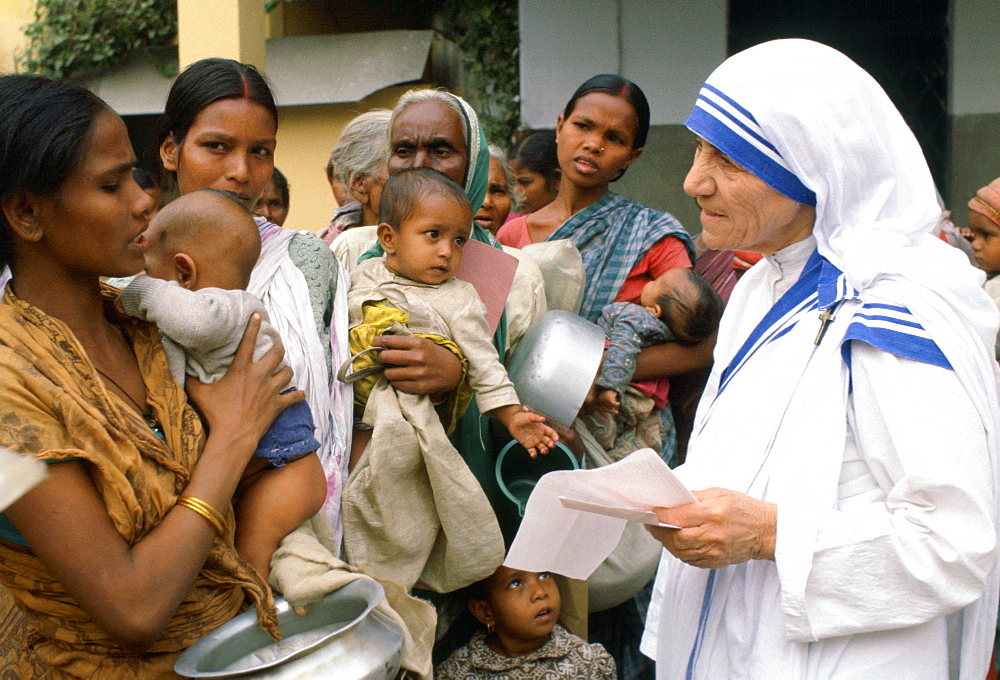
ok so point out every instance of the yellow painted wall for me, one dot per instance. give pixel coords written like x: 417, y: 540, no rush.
x: 306, y: 133
x: 14, y: 14
x: 234, y: 29
x: 305, y: 136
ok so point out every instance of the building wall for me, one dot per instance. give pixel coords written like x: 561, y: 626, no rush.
x: 975, y: 102
x: 305, y: 136
x: 14, y: 14
x: 668, y: 48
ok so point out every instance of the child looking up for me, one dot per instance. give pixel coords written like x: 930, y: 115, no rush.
x: 201, y: 250
x: 425, y: 220
x: 680, y: 306
x: 522, y: 640
x: 984, y: 222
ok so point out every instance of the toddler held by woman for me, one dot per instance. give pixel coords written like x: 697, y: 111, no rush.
x: 425, y: 220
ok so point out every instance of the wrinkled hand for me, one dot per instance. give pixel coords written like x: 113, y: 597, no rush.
x: 607, y: 401
x: 417, y: 365
x: 723, y: 527
x: 246, y: 400
x: 530, y: 431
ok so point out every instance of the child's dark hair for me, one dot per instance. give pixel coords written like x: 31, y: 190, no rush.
x: 617, y: 86
x: 403, y: 191
x: 45, y: 128
x: 205, y: 82
x: 480, y: 590
x: 537, y: 152
x: 692, y: 323
x: 144, y: 178
x: 281, y: 184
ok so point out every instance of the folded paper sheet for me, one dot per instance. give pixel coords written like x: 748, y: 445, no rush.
x: 574, y: 518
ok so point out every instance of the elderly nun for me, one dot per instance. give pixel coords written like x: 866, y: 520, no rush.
x: 844, y: 455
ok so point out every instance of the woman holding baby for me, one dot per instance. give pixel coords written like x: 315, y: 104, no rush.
x: 124, y: 556
x: 219, y: 131
x: 624, y: 244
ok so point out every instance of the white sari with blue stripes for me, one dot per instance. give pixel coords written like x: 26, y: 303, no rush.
x: 778, y: 422
x: 879, y: 445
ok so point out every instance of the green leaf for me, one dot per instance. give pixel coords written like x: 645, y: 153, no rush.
x: 70, y: 36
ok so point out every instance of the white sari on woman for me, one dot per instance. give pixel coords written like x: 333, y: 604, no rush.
x: 878, y: 444
x: 284, y: 290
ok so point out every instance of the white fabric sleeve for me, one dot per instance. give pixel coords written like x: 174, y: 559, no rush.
x: 922, y: 543
x: 526, y: 300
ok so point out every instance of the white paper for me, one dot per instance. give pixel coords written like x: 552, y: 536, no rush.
x: 574, y: 518
x: 613, y: 511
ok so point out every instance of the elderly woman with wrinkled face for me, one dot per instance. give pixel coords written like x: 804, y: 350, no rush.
x: 845, y: 525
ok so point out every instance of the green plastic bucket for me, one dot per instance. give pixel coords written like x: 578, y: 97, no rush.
x: 518, y: 473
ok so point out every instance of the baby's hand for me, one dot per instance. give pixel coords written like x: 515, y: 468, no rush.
x: 527, y: 427
x: 531, y: 432
x: 607, y: 401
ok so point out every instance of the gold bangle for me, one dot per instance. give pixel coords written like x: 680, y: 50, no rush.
x: 205, y: 510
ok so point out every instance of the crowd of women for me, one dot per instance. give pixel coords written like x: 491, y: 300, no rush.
x: 844, y: 454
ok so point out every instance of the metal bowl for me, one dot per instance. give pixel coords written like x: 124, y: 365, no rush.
x: 555, y: 363
x: 341, y: 637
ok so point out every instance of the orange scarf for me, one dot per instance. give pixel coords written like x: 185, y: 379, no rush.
x: 55, y: 407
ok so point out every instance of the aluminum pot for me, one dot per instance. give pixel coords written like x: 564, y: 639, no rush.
x: 342, y: 637
x: 555, y: 363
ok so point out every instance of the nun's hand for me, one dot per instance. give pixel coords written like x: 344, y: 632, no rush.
x: 723, y: 527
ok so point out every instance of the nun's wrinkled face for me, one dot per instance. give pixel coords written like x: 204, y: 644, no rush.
x: 739, y: 211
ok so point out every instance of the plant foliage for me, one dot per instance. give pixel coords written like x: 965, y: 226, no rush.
x: 487, y: 33
x: 71, y: 38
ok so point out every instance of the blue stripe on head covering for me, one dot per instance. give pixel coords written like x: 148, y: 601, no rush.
x: 733, y: 130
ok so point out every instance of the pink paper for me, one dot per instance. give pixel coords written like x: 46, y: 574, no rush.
x: 491, y: 272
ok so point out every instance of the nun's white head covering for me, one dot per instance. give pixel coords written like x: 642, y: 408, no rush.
x: 816, y: 127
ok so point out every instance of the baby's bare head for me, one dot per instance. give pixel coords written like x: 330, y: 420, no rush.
x: 203, y: 239
x: 685, y: 302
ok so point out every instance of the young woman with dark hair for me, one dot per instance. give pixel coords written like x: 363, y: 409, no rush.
x: 219, y: 132
x: 624, y: 245
x: 218, y: 129
x: 124, y: 555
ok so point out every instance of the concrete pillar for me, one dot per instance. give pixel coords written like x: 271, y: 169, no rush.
x: 233, y: 29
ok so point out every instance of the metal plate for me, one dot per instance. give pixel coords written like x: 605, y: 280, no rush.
x: 554, y: 365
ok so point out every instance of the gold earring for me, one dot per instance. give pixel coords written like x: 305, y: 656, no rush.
x: 490, y: 629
